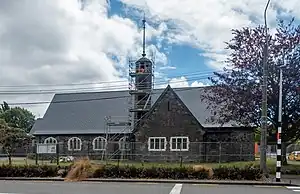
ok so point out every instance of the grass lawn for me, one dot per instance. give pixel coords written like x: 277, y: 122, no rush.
x: 26, y: 161
x: 270, y: 163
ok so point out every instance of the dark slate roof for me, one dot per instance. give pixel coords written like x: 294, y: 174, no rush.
x: 143, y: 59
x: 84, y: 113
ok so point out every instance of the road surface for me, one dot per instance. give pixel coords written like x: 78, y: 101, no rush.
x: 37, y: 187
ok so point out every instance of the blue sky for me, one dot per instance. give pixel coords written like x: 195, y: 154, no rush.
x: 66, y: 49
x: 184, y: 59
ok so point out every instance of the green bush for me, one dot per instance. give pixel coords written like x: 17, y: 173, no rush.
x: 249, y: 172
x: 30, y: 170
x: 152, y: 172
x: 27, y: 171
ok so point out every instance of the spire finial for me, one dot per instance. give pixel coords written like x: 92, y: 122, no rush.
x: 144, y: 35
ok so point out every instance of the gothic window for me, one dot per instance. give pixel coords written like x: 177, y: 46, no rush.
x: 99, y: 143
x: 50, y: 140
x: 124, y: 144
x: 74, y: 144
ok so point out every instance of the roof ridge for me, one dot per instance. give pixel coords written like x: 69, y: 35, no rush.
x: 112, y: 91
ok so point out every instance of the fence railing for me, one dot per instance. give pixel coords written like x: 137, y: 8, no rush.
x: 272, y: 150
x: 137, y: 151
x: 143, y: 152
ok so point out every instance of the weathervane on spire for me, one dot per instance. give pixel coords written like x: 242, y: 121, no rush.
x: 144, y: 35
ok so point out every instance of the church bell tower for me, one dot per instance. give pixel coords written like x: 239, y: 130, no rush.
x: 141, y: 84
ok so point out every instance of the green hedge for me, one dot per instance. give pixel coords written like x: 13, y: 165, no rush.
x: 28, y: 171
x: 112, y: 171
x: 222, y: 172
x: 249, y: 172
x: 153, y: 172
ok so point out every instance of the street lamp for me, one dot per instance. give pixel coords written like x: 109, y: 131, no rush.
x: 264, y: 113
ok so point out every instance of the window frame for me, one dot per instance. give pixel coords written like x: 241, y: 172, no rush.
x: 124, y: 144
x: 176, y: 149
x: 50, y: 138
x: 80, y: 144
x: 100, y: 138
x: 157, y: 150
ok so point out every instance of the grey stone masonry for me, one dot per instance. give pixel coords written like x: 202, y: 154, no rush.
x: 231, y: 145
x: 86, y: 146
x: 169, y: 117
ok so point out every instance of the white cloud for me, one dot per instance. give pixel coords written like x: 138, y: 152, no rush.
x: 207, y: 24
x: 198, y: 84
x: 181, y: 82
x: 167, y: 68
x: 54, y: 42
x: 178, y: 82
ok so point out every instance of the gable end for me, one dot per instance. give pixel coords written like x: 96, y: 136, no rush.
x: 169, y: 117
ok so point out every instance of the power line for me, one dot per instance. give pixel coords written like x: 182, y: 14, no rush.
x: 102, y: 82
x: 102, y: 88
x: 91, y: 99
x: 115, y: 87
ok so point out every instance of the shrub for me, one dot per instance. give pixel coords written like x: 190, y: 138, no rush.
x: 80, y: 170
x: 83, y: 169
x: 199, y: 168
x: 28, y: 171
x: 249, y: 172
x: 152, y: 172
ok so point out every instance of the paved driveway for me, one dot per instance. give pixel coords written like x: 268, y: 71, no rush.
x: 20, y: 187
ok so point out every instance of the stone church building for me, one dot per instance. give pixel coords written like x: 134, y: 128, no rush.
x: 142, y: 123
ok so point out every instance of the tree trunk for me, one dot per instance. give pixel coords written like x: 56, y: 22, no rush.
x: 283, y: 154
x: 9, y: 156
x: 9, y: 159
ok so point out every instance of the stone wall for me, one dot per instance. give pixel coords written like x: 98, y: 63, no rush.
x: 230, y: 145
x: 226, y: 146
x: 87, y: 146
x: 168, y: 118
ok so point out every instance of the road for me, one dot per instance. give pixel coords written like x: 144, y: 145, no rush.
x: 20, y: 187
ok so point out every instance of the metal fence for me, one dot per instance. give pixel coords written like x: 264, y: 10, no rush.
x: 272, y: 150
x: 213, y: 152
x: 216, y: 152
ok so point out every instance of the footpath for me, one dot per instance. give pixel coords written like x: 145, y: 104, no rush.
x: 292, y: 179
x: 286, y: 181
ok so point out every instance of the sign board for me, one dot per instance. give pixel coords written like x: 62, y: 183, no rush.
x: 46, y: 148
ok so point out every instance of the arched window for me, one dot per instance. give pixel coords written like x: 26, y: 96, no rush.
x: 124, y: 144
x: 99, y: 143
x: 50, y: 140
x: 74, y: 144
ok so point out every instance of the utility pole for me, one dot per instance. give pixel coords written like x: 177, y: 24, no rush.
x: 264, y: 113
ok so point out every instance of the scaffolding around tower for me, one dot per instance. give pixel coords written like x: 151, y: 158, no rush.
x: 141, y: 84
